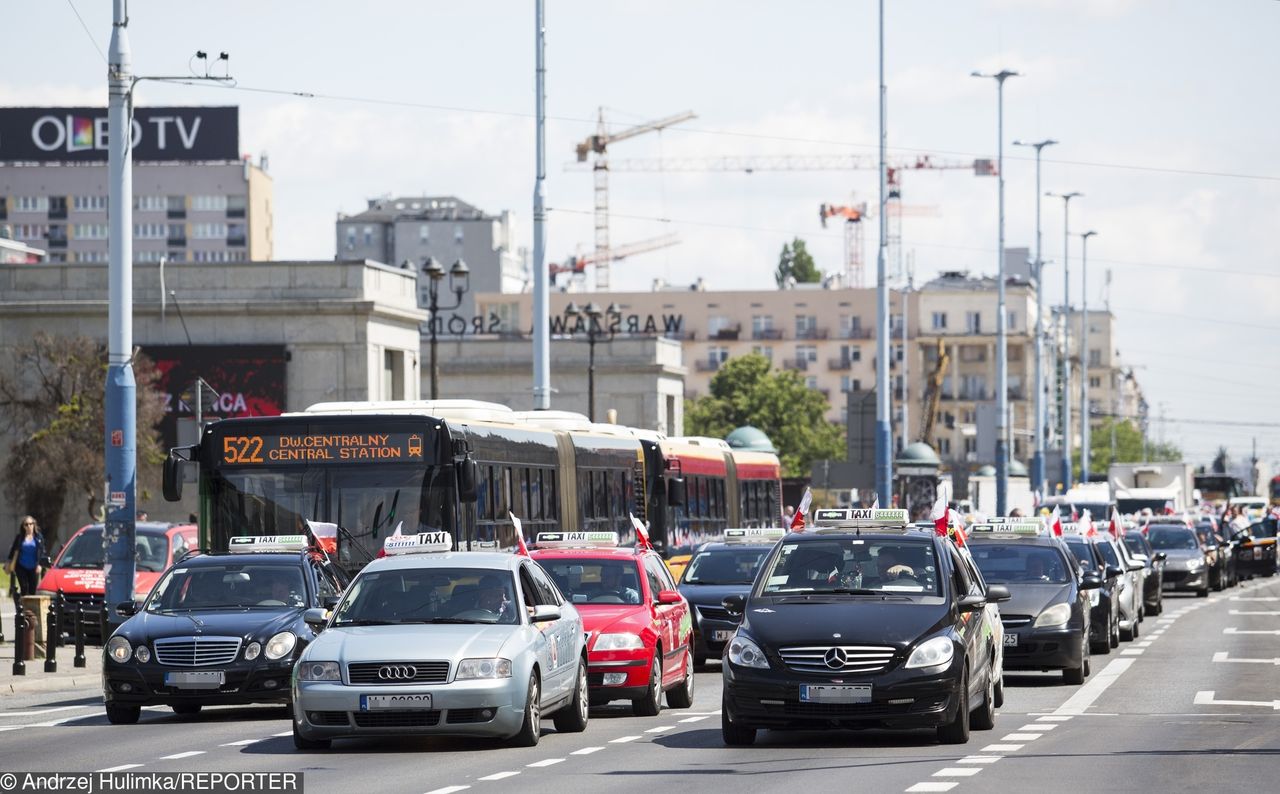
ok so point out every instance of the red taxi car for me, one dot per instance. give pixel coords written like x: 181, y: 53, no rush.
x: 639, y: 629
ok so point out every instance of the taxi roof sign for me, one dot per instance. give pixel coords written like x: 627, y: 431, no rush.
x: 421, y: 543
x: 768, y: 535
x: 256, y: 544
x: 860, y: 517
x: 577, y: 540
x: 1007, y: 528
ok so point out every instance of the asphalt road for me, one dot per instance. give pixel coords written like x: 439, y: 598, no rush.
x: 1192, y: 704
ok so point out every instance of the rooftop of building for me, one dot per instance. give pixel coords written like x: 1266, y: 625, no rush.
x: 961, y: 280
x: 441, y: 208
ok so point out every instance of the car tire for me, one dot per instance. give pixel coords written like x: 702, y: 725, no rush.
x: 957, y: 731
x: 301, y: 742
x: 1202, y: 592
x: 650, y: 704
x: 1075, y: 675
x: 699, y: 660
x: 531, y: 729
x: 119, y: 714
x: 682, y: 696
x: 1000, y: 691
x: 573, y: 717
x: 186, y: 709
x: 733, y: 734
x: 983, y: 718
x: 1133, y: 632
x: 1088, y: 666
x: 1158, y: 606
x: 1126, y: 635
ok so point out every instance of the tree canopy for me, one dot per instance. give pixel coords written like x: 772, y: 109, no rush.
x: 796, y: 262
x: 746, y: 392
x: 1128, y: 448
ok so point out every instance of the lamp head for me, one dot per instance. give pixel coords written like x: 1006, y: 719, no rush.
x: 459, y: 277
x: 433, y: 269
x: 592, y: 310
x: 572, y: 310
x: 613, y: 310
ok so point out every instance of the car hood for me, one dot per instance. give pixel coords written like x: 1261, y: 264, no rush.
x: 413, y: 641
x: 92, y: 581
x: 258, y: 623
x: 858, y: 621
x: 712, y: 594
x: 600, y: 618
x: 1032, y: 599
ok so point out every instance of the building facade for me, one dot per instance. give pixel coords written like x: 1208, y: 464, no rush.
x: 1114, y: 390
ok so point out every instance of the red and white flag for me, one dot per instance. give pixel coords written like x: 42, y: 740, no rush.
x: 1086, y: 525
x: 957, y: 527
x: 940, y: 513
x: 797, y: 520
x: 1168, y: 508
x: 1115, y: 523
x: 521, y: 548
x: 642, y: 532
x: 1055, y: 521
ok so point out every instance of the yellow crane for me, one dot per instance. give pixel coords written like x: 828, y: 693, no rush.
x: 933, y: 392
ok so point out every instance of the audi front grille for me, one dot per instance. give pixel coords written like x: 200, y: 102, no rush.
x: 836, y: 659
x: 365, y: 673
x: 197, y: 651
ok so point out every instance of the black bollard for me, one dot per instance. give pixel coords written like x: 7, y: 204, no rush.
x: 79, y: 659
x: 19, y: 623
x: 51, y: 640
x: 60, y: 604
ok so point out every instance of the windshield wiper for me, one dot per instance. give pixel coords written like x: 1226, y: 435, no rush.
x: 443, y: 620
x: 366, y: 622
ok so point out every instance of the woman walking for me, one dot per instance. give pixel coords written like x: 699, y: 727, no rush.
x: 25, y: 557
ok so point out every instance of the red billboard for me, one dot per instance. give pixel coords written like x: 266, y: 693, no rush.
x: 247, y: 380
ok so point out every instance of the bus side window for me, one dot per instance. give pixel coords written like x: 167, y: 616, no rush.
x: 483, y: 508
x: 552, y: 494
x: 535, y: 494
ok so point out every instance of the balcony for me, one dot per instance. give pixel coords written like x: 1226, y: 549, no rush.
x: 177, y: 242
x: 855, y: 333
x: 766, y: 333
x: 58, y: 213
x: 703, y: 365
x: 236, y: 242
x: 235, y: 212
x: 975, y: 395
x: 57, y: 242
x: 796, y: 364
x: 839, y: 364
x: 811, y: 333
x: 730, y: 334
x: 177, y: 213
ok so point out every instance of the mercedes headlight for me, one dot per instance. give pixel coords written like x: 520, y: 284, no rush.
x: 319, y: 671
x: 1056, y: 615
x: 745, y: 653
x: 281, y: 645
x: 483, y: 668
x: 142, y: 653
x: 252, y: 650
x: 119, y: 649
x: 936, y: 652
x: 618, y: 642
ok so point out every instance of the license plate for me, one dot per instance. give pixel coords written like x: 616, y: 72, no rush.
x: 831, y: 693
x: 205, y: 679
x: 1010, y: 640
x: 722, y: 635
x: 1257, y: 553
x: 375, y: 702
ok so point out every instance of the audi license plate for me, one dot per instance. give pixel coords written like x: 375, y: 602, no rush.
x: 1010, y: 640
x: 204, y: 679
x: 831, y: 693
x: 376, y: 702
x: 1257, y: 553
x: 722, y: 635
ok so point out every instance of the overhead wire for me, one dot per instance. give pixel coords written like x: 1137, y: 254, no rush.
x: 87, y: 32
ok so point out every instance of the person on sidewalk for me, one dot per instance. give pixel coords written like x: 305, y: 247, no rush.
x: 26, y: 555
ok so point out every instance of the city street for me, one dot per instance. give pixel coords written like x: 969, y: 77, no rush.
x: 1190, y: 705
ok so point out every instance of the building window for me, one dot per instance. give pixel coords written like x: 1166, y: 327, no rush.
x: 150, y: 203
x: 424, y: 233
x: 176, y: 255
x: 236, y: 234
x: 851, y: 352
x: 939, y: 321
x: 944, y: 445
x: 806, y: 326
x: 806, y: 353
x: 972, y: 322
x: 209, y: 203
x: 89, y: 231
x: 177, y: 206
x: 973, y: 353
x: 149, y: 231
x: 31, y: 204
x: 1095, y: 382
x: 717, y: 355
x: 89, y: 203
x: 719, y: 327
x: 970, y: 445
x: 1095, y: 358
x: 368, y: 235
x: 30, y: 231
x: 457, y: 234
x: 208, y: 231
x: 1013, y: 320
x: 811, y: 382
x: 236, y: 206
x: 761, y: 324
x: 845, y: 383
x: 897, y: 352
x: 92, y: 257
x: 764, y: 350
x: 895, y: 323
x: 850, y: 325
x: 351, y: 237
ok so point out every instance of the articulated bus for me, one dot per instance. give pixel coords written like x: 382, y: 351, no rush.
x: 377, y: 468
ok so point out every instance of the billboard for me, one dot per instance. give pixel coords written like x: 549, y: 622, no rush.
x: 249, y: 381
x: 80, y: 134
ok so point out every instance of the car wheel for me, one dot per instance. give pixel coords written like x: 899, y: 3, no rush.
x: 1126, y: 635
x: 957, y: 731
x: 733, y: 734
x: 1158, y: 606
x: 682, y: 696
x: 1088, y: 666
x: 983, y: 718
x: 123, y: 715
x: 699, y: 659
x: 573, y: 717
x: 650, y: 704
x: 1114, y: 637
x: 1000, y: 691
x: 1134, y: 630
x: 301, y: 742
x: 1202, y: 592
x: 186, y: 709
x: 531, y: 729
x: 1075, y: 675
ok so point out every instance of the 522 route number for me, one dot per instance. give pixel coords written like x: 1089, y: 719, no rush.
x: 242, y: 449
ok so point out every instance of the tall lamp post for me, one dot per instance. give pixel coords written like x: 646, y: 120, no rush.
x: 1084, y: 355
x: 1037, y: 460
x: 1066, y: 332
x: 593, y: 315
x: 1002, y: 315
x: 459, y: 283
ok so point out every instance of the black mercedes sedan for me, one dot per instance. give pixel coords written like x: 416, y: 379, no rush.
x: 218, y: 629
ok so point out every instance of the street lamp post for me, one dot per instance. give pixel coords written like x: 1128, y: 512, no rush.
x: 459, y: 283
x: 1066, y: 332
x: 1002, y: 316
x: 593, y: 315
x: 1084, y: 355
x: 1037, y: 461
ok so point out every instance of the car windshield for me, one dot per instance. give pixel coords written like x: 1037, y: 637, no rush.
x: 853, y: 565
x: 235, y: 585
x: 1133, y: 542
x: 1206, y: 536
x: 430, y: 595
x: 1165, y: 538
x: 1010, y: 563
x: 1109, y: 554
x: 151, y: 550
x: 725, y: 566
x: 596, y: 581
x: 1263, y: 529
x: 1080, y: 549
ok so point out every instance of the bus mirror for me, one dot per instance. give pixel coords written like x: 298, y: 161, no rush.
x: 676, y: 491
x: 173, y: 478
x: 468, y: 473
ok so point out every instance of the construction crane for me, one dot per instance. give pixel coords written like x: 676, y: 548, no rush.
x: 853, y: 247
x: 576, y: 266
x: 598, y: 145
x: 933, y: 392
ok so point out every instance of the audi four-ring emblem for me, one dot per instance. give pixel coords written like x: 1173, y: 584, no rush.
x: 835, y: 658
x: 397, y: 672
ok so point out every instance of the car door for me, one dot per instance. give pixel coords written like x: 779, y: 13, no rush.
x: 664, y: 617
x: 970, y: 623
x: 541, y: 640
x: 681, y: 617
x: 560, y: 664
x: 992, y: 626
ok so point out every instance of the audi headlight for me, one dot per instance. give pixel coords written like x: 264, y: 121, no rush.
x: 936, y: 652
x: 252, y: 650
x: 483, y: 668
x: 119, y: 649
x: 745, y: 653
x: 319, y: 671
x: 281, y: 645
x: 142, y: 653
x: 1056, y: 615
x: 618, y: 642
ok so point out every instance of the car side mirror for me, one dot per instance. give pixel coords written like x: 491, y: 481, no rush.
x: 971, y: 603
x: 1161, y: 556
x: 735, y: 604
x: 330, y: 601
x: 1091, y: 581
x: 1113, y: 571
x: 126, y: 609
x: 317, y: 618
x: 545, y: 612
x: 669, y: 597
x: 998, y: 593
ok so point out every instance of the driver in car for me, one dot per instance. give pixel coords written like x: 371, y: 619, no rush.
x: 611, y: 584
x: 890, y: 568
x: 492, y: 597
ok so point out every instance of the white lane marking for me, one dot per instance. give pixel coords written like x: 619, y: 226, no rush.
x: 1037, y: 726
x: 499, y: 776
x: 1091, y: 691
x: 957, y: 771
x: 4, y: 728
x: 931, y: 786
x: 1133, y: 651
x: 1221, y: 656
x: 545, y: 762
x: 703, y: 713
x: 693, y: 719
x: 1205, y: 698
x: 176, y: 756
x: 1269, y: 613
x: 1020, y: 737
x: 1055, y: 717
x: 624, y: 739
x: 242, y: 743
x: 448, y: 789
x: 1234, y: 630
x: 1255, y: 598
x: 979, y: 759
x: 285, y: 733
x: 1143, y: 644
x: 587, y: 751
x: 34, y: 712
x: 57, y: 722
x: 660, y: 729
x: 120, y: 768
x: 1001, y: 748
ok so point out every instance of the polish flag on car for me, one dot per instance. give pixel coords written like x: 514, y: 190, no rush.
x: 642, y: 533
x: 797, y: 520
x: 1055, y: 521
x: 940, y: 514
x: 957, y: 526
x: 1115, y: 523
x: 521, y: 549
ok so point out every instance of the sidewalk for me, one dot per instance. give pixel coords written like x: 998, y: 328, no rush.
x: 87, y: 679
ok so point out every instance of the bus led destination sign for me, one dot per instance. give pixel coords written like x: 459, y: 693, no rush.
x: 265, y: 450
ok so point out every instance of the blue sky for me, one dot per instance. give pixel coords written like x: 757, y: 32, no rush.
x: 1165, y: 110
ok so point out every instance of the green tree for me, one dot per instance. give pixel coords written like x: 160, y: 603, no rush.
x: 796, y: 262
x: 745, y: 392
x: 1128, y: 447
x: 51, y: 403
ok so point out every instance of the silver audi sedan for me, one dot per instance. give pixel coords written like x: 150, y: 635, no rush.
x: 431, y: 641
